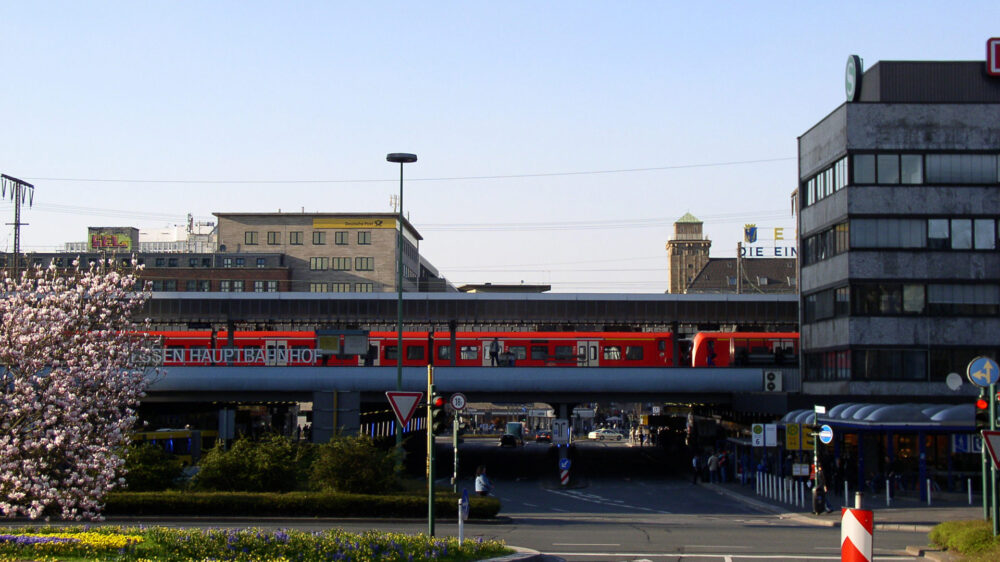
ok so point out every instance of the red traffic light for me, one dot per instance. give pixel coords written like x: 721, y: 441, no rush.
x: 437, y: 401
x: 982, y: 404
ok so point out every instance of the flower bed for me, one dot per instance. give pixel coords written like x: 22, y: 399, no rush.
x: 167, y: 544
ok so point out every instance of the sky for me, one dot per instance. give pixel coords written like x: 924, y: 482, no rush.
x: 557, y: 141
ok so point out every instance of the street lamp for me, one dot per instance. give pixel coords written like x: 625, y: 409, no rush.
x: 401, y: 158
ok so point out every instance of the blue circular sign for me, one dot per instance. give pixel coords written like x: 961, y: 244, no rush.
x: 564, y: 464
x: 983, y: 371
x: 825, y: 434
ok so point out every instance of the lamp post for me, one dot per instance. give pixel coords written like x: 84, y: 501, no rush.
x: 401, y: 158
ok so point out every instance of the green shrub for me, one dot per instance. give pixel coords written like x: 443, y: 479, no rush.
x: 967, y: 537
x: 148, y: 467
x: 355, y: 465
x: 269, y: 465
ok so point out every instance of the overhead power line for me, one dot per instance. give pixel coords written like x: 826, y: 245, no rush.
x: 444, y: 178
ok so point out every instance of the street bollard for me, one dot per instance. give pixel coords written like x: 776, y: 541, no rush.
x: 846, y: 497
x: 858, y: 500
x: 856, y: 527
x: 928, y: 491
x: 888, y: 499
x: 968, y: 485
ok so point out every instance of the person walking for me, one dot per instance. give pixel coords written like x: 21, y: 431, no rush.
x: 483, y: 485
x: 494, y: 352
x: 820, y: 505
x: 695, y: 468
x: 713, y: 468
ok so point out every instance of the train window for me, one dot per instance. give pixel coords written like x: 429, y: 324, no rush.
x: 539, y: 352
x: 519, y: 351
x: 444, y: 352
x: 390, y: 351
x: 564, y: 353
x: 612, y: 353
x: 468, y: 352
x: 414, y: 352
x: 633, y: 353
x: 661, y: 345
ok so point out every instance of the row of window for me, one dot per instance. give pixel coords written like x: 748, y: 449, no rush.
x: 296, y: 237
x: 902, y: 169
x: 538, y: 352
x: 916, y: 365
x: 903, y: 299
x: 341, y: 264
x: 340, y: 287
x: 205, y: 285
x: 903, y: 233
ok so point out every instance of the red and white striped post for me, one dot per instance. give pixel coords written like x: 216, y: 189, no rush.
x: 856, y: 535
x: 564, y: 476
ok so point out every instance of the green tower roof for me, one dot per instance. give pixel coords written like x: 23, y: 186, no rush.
x: 688, y: 217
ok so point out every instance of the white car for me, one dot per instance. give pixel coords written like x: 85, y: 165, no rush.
x: 602, y: 434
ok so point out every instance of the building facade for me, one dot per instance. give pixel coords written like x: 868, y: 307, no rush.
x: 328, y: 252
x: 899, y: 197
x: 687, y: 253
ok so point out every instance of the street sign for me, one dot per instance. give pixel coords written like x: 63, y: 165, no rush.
x: 564, y: 464
x: 757, y: 435
x: 966, y: 443
x: 457, y: 401
x: 983, y: 371
x: 560, y: 432
x: 793, y: 436
x: 992, y: 441
x: 463, y: 508
x: 770, y: 435
x: 826, y: 434
x: 404, y: 404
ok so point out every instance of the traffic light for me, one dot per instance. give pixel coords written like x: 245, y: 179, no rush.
x: 439, y: 418
x: 982, y: 412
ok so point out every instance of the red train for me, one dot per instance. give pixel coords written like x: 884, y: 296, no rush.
x: 522, y: 349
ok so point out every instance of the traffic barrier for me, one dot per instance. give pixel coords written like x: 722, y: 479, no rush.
x: 564, y: 477
x: 856, y: 535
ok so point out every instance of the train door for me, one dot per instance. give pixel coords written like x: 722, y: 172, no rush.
x: 276, y: 353
x: 373, y: 357
x: 486, y: 352
x: 586, y: 353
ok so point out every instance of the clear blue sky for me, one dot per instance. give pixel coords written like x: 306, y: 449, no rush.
x: 310, y: 96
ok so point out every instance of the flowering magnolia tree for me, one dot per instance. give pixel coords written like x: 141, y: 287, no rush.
x: 70, y: 381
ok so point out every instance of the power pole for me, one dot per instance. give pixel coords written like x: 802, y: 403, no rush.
x: 19, y: 192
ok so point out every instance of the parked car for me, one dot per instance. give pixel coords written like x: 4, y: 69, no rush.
x: 543, y: 436
x: 510, y: 440
x: 605, y: 434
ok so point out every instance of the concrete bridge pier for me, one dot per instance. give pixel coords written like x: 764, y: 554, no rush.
x: 335, y: 413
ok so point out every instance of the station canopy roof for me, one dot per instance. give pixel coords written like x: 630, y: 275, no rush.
x: 884, y: 416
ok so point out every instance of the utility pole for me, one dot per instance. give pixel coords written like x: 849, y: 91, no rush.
x: 19, y: 192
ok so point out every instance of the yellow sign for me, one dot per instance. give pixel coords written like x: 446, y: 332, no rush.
x: 100, y: 241
x: 354, y: 223
x: 808, y: 440
x: 793, y: 436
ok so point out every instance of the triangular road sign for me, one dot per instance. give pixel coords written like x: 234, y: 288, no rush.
x: 992, y: 441
x: 404, y: 404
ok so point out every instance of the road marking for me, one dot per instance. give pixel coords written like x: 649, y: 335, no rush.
x: 586, y: 544
x: 559, y: 510
x: 530, y: 504
x: 727, y: 557
x: 717, y: 546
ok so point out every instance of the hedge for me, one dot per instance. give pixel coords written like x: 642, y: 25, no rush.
x: 292, y: 504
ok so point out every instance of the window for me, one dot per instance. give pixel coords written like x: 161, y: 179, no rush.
x: 272, y: 286
x: 971, y: 300
x: 888, y: 233
x: 261, y: 263
x: 539, y: 352
x: 250, y: 238
x: 227, y: 262
x: 633, y: 353
x: 889, y: 365
x: 469, y: 352
x: 390, y: 352
x: 414, y: 352
x: 318, y: 264
x: 206, y: 262
x: 160, y: 262
x: 985, y: 234
x: 565, y: 353
x: 961, y: 168
x: 192, y: 262
x: 364, y: 237
x: 319, y: 237
x: 913, y: 299
x: 444, y: 353
x: 340, y: 287
x: 238, y: 286
x: 258, y: 286
x: 519, y: 351
x: 318, y: 288
x: 961, y: 234
x: 364, y: 287
x: 240, y: 262
x: 364, y: 264
x: 295, y: 238
x: 937, y: 234
x: 340, y: 238
x: 341, y: 264
x: 273, y: 238
x: 225, y: 286
x: 864, y: 168
x: 911, y: 169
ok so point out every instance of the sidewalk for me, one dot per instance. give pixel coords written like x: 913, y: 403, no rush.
x: 904, y: 514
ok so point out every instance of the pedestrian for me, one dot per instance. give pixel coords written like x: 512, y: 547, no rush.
x: 713, y: 468
x: 820, y: 505
x: 723, y: 460
x: 695, y: 468
x: 494, y: 352
x: 483, y: 485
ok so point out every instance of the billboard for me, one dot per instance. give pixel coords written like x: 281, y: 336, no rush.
x: 362, y: 222
x: 112, y: 239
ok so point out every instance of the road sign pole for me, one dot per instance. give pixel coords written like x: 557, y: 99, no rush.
x: 993, y: 469
x: 430, y: 453
x: 454, y: 446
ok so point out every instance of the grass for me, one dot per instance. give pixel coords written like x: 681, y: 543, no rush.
x: 137, y: 544
x: 973, y: 540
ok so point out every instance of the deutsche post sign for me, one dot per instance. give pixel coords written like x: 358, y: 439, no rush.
x: 359, y: 223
